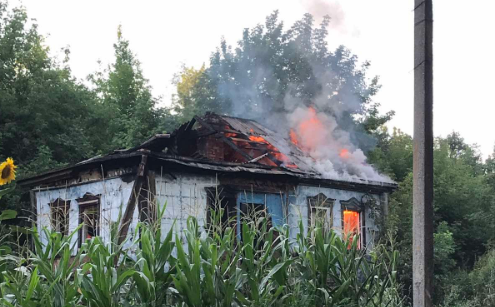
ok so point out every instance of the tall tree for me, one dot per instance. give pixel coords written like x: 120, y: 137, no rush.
x: 126, y: 96
x: 44, y: 110
x: 273, y: 70
x: 196, y: 93
x: 463, y: 203
x: 393, y: 154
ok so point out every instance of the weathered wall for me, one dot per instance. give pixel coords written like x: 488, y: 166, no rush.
x: 275, y: 204
x: 298, y: 209
x: 185, y: 195
x: 114, y: 194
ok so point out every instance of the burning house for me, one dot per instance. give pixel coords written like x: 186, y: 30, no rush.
x: 212, y: 161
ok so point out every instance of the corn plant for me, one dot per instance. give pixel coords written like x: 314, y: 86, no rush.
x: 204, y: 268
x: 106, y: 269
x: 46, y: 278
x: 155, y: 264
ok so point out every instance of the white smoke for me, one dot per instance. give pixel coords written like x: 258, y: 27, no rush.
x: 323, y: 127
x: 330, y: 150
x: 321, y: 8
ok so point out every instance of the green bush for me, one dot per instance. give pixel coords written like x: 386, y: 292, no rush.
x: 474, y: 288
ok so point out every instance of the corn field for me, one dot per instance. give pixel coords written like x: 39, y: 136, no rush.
x: 198, y: 268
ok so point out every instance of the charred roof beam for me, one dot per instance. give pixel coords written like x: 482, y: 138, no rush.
x: 224, y: 138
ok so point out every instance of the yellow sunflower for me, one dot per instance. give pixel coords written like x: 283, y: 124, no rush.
x: 7, y: 171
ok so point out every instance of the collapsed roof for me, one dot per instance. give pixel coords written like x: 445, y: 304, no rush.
x: 227, y: 144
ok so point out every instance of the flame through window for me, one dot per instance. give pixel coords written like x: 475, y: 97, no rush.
x: 351, y: 225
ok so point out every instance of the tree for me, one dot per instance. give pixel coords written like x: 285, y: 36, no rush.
x: 126, y: 98
x: 196, y: 93
x: 44, y: 110
x: 47, y: 118
x: 272, y: 71
x: 463, y: 206
x: 393, y: 154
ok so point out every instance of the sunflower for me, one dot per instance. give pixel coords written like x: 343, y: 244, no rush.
x: 7, y: 171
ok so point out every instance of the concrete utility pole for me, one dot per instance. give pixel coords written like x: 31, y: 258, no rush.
x: 423, y: 155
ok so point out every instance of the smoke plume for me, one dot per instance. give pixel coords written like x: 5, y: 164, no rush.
x: 312, y: 99
x: 321, y: 8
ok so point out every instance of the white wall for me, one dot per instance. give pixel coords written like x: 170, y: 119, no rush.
x: 114, y: 194
x: 184, y: 196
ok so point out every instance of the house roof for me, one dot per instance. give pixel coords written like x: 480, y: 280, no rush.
x: 245, y: 146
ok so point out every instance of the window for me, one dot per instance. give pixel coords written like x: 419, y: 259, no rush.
x: 353, y: 221
x: 351, y: 225
x: 262, y: 209
x: 221, y: 211
x: 256, y: 213
x: 89, y: 217
x: 321, y: 212
x: 59, y: 216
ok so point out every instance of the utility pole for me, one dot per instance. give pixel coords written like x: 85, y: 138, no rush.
x: 423, y: 155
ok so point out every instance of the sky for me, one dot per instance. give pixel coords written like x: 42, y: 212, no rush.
x: 167, y: 34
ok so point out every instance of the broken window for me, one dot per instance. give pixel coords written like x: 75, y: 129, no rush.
x: 256, y: 213
x: 59, y: 216
x: 321, y: 211
x: 89, y: 217
x: 353, y: 221
x: 221, y: 210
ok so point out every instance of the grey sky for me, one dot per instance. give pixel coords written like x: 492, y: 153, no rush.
x: 165, y: 34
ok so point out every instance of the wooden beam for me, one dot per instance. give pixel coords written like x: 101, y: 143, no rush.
x: 423, y: 155
x: 274, y: 160
x: 190, y: 124
x: 34, y: 213
x: 244, y: 140
x: 225, y: 139
x: 234, y: 146
x: 131, y: 204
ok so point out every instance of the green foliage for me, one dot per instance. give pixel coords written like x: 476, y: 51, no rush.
x: 5, y: 238
x: 49, y: 119
x: 203, y: 270
x: 463, y: 203
x: 475, y: 288
x: 43, y: 107
x: 196, y: 94
x: 45, y: 113
x: 394, y: 154
x: 126, y: 99
x: 61, y: 121
x: 273, y: 70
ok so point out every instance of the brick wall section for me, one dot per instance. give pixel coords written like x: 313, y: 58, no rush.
x: 212, y: 148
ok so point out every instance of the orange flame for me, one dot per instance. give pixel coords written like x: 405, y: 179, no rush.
x: 293, y: 137
x: 308, y: 133
x: 273, y: 151
x: 258, y: 139
x: 344, y: 153
x: 351, y: 225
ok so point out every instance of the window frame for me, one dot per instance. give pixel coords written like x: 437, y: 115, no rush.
x: 225, y: 198
x: 322, y: 203
x: 259, y: 198
x: 354, y: 205
x: 87, y: 201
